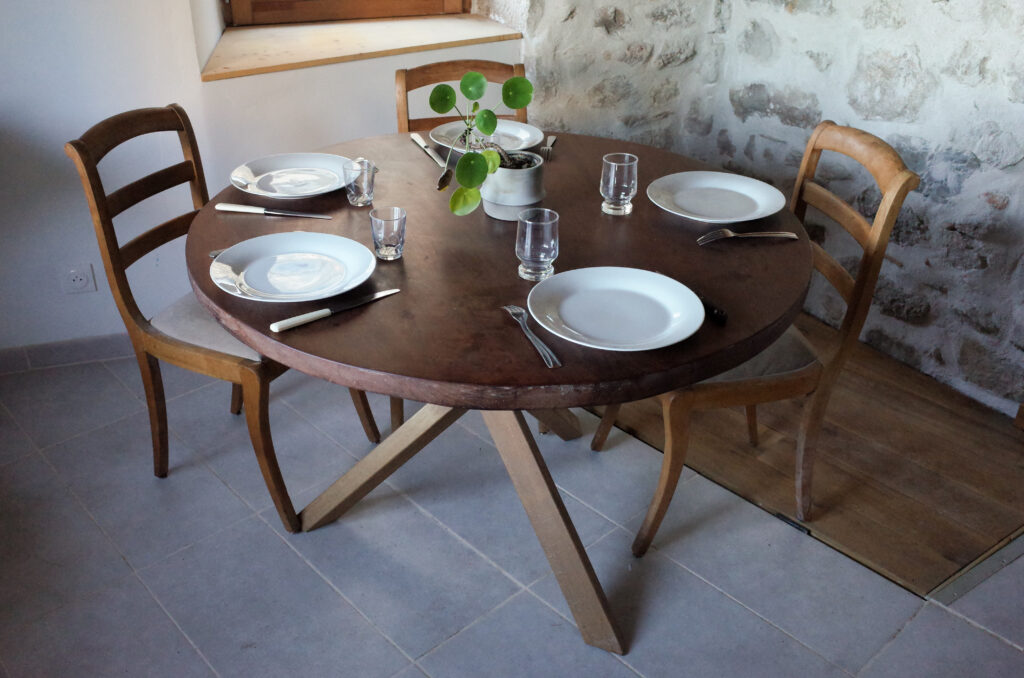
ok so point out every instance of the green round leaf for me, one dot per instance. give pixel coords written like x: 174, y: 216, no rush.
x: 517, y: 92
x: 464, y: 200
x: 493, y: 160
x: 442, y: 98
x: 473, y: 85
x: 486, y: 121
x: 472, y: 170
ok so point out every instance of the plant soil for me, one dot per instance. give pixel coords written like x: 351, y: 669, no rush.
x: 518, y: 161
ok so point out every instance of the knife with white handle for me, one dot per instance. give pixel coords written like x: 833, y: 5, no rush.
x: 252, y: 209
x: 427, y: 149
x: 288, y: 323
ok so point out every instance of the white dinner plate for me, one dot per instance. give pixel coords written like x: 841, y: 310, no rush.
x: 509, y: 134
x: 715, y: 197
x: 616, y: 309
x: 294, y: 175
x: 295, y: 266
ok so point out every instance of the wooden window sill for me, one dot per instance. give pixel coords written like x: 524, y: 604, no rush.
x: 250, y: 50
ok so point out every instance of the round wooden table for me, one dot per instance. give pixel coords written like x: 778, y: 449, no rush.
x: 445, y: 340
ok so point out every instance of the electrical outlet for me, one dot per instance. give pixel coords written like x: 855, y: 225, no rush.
x: 77, y: 278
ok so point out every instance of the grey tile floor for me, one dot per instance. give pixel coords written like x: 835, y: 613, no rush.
x: 106, y: 570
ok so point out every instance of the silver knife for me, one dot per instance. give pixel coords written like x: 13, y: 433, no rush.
x: 288, y: 323
x: 252, y: 209
x: 427, y: 149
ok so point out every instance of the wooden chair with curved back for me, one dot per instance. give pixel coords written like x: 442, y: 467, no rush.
x: 183, y: 334
x: 791, y: 367
x: 407, y: 80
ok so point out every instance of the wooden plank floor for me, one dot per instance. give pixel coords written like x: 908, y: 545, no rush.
x: 913, y: 479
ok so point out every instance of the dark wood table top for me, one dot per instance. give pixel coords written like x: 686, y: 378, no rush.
x: 445, y: 339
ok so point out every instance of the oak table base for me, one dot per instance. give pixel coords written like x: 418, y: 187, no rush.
x: 532, y: 481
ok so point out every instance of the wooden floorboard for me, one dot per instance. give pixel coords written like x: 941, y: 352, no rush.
x: 913, y: 479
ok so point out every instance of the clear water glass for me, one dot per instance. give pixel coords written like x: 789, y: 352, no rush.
x: 388, y: 225
x: 537, y: 243
x: 360, y: 191
x: 618, y: 183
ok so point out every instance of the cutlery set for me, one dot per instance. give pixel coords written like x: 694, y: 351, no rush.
x: 713, y: 312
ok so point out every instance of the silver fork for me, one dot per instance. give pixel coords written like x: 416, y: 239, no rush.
x: 726, y: 233
x: 545, y: 150
x: 519, y: 315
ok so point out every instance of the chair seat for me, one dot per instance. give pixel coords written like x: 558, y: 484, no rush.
x: 188, y: 321
x: 789, y: 353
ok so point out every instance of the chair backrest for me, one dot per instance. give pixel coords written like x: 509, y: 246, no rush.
x: 87, y: 152
x: 894, y: 181
x: 407, y: 80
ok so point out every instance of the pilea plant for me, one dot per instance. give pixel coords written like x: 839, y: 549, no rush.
x: 482, y: 157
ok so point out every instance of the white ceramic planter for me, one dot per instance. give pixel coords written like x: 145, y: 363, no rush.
x: 509, y: 191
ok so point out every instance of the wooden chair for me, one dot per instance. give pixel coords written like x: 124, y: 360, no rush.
x: 407, y: 80
x: 791, y: 368
x: 183, y: 334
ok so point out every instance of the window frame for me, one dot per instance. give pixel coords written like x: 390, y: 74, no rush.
x: 262, y: 12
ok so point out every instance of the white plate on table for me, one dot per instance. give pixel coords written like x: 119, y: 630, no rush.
x: 294, y: 175
x: 509, y: 134
x: 295, y: 266
x: 616, y: 309
x: 715, y: 197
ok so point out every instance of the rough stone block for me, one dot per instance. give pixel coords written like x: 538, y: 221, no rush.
x: 791, y: 106
x: 891, y: 346
x: 677, y: 54
x: 759, y: 40
x: 890, y: 85
x: 611, y: 19
x: 611, y: 92
x: 672, y: 15
x: 969, y: 65
x: 823, y: 7
x: 910, y: 307
x: 981, y: 364
x: 996, y: 146
x: 637, y: 53
x: 884, y: 14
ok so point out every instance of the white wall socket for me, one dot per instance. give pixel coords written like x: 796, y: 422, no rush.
x: 77, y: 278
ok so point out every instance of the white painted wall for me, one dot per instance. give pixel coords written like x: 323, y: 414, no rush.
x: 68, y: 64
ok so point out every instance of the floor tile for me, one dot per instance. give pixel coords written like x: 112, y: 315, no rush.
x: 461, y: 479
x: 55, y: 404
x: 329, y: 407
x: 14, y: 444
x: 305, y: 455
x: 617, y: 482
x: 938, y: 644
x: 79, y: 350
x: 672, y: 619
x: 409, y: 575
x: 176, y: 380
x: 521, y: 638
x: 411, y: 671
x: 254, y: 608
x: 834, y: 605
x: 117, y: 631
x: 51, y: 551
x: 996, y: 603
x: 111, y: 471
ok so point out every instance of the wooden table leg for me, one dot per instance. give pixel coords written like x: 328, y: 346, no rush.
x: 564, y: 423
x: 375, y: 467
x: 558, y: 538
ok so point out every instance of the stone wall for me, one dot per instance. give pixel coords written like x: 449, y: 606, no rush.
x: 741, y: 83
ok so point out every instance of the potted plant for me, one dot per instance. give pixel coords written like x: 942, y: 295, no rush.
x: 516, y: 179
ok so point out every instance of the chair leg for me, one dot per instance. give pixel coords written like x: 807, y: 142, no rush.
x: 153, y: 383
x: 752, y: 424
x: 676, y: 415
x: 806, y: 450
x: 236, y: 398
x: 256, y: 400
x: 362, y: 406
x: 397, y: 412
x: 605, y: 427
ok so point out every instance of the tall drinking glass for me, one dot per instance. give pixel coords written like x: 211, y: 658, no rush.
x: 537, y: 243
x: 618, y: 183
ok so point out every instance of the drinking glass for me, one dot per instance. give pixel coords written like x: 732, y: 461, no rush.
x: 388, y: 225
x: 618, y: 183
x: 360, y: 191
x: 537, y: 243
